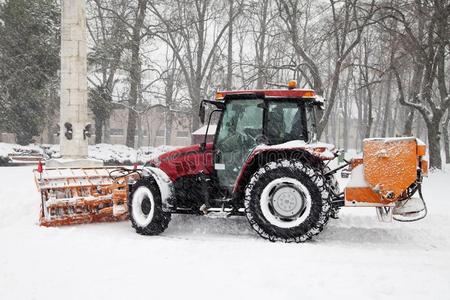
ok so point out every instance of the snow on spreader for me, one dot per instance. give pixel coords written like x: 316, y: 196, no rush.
x: 264, y: 163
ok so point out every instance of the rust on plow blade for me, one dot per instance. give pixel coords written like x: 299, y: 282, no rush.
x: 83, y: 195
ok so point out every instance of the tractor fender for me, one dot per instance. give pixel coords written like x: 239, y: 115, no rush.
x: 163, y: 181
x: 264, y: 153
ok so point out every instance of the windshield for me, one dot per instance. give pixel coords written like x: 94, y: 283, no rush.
x: 246, y: 123
x: 285, y: 122
x: 241, y: 118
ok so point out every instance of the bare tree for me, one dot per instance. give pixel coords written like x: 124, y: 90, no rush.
x: 135, y: 70
x: 107, y: 34
x: 368, y: 87
x: 193, y: 29
x: 172, y: 84
x: 433, y: 100
x: 348, y: 19
x: 133, y: 21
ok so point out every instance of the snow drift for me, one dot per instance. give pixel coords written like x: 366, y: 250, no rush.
x: 109, y: 154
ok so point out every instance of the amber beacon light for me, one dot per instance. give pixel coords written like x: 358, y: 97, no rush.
x: 292, y: 84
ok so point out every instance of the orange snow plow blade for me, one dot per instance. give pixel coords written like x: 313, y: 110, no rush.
x: 82, y: 195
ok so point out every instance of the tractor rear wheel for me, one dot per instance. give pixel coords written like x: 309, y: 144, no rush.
x: 287, y: 201
x: 145, y: 208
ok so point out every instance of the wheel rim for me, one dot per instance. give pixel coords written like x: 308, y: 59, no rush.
x: 285, y: 202
x: 142, y: 206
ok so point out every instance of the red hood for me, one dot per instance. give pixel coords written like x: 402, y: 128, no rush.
x: 182, y: 151
x: 185, y: 161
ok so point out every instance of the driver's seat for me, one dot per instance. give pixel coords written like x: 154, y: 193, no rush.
x: 275, y: 126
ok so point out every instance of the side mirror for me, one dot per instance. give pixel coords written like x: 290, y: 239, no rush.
x: 201, y: 113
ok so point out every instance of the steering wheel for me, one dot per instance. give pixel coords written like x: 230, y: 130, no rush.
x: 246, y: 135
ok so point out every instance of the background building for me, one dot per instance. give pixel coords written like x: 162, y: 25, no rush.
x: 154, y: 129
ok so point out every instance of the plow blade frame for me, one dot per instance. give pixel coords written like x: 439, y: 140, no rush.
x: 81, y: 195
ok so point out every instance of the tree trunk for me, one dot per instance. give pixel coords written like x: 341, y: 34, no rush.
x: 324, y: 115
x: 376, y: 127
x: 242, y: 73
x: 387, y: 107
x: 98, y: 130
x: 49, y: 134
x: 170, y: 85
x: 345, y: 121
x: 332, y: 129
x: 261, y: 46
x: 359, y: 105
x: 407, y: 131
x: 414, y: 91
x: 140, y: 135
x: 445, y: 132
x: 169, y: 121
x: 195, y: 107
x: 368, y: 113
x: 434, y: 144
x: 107, y: 132
x: 132, y: 101
x: 230, y: 48
x: 135, y: 72
x: 392, y: 129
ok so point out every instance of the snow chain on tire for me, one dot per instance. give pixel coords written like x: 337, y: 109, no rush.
x: 159, y: 221
x: 310, y: 178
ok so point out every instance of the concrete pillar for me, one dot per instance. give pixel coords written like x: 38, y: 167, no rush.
x: 73, y: 102
x: 74, y: 109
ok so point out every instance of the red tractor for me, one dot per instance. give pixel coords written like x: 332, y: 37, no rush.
x: 264, y: 163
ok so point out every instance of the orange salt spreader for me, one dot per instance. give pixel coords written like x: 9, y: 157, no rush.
x: 387, y: 177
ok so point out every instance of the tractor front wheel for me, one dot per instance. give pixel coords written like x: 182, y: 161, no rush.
x: 145, y: 208
x: 287, y: 201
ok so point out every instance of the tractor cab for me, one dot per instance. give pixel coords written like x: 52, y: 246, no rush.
x: 258, y: 117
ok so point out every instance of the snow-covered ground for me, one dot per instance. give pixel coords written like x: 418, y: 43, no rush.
x: 199, y: 258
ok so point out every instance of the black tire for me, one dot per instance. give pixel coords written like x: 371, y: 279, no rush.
x: 147, y: 217
x: 292, y: 175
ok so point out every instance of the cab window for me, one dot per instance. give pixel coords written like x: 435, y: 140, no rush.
x: 285, y: 122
